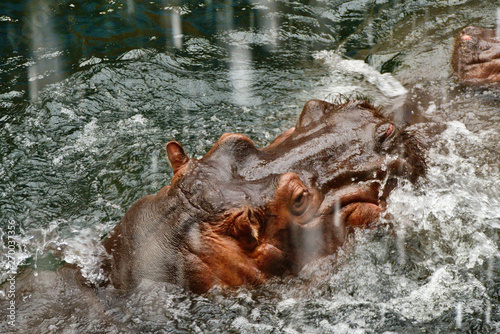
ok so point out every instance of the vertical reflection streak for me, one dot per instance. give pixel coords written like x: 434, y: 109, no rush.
x: 44, y: 55
x: 241, y: 74
x: 498, y: 22
x: 176, y: 29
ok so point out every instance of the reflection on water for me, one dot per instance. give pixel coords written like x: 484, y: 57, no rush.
x: 176, y: 29
x: 241, y: 75
x: 39, y: 26
x: 91, y: 91
x: 498, y: 21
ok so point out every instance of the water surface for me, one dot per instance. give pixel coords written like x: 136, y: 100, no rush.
x: 92, y: 91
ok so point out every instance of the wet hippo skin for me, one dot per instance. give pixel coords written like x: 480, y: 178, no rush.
x: 241, y: 214
x: 476, y: 56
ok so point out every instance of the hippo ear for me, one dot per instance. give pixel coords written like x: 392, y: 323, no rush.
x: 312, y: 112
x: 176, y: 155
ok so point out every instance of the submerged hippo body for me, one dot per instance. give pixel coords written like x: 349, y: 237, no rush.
x: 476, y: 56
x: 241, y: 214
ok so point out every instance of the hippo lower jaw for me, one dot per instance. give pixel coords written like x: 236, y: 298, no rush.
x: 360, y: 204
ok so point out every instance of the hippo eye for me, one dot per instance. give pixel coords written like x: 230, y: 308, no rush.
x: 299, y: 201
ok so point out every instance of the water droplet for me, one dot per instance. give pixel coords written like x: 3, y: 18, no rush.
x: 458, y: 317
x: 336, y: 217
x: 487, y: 315
x: 176, y: 29
x: 498, y: 22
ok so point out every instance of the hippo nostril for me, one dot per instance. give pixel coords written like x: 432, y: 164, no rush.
x: 384, y: 131
x: 390, y: 130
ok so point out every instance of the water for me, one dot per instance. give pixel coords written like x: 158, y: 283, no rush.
x: 91, y: 92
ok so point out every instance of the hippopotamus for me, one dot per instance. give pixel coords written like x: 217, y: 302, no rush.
x: 476, y: 56
x: 241, y: 214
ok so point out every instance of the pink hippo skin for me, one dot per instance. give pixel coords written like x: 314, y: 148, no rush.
x: 476, y: 56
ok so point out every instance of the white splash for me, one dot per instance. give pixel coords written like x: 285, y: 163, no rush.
x: 349, y: 76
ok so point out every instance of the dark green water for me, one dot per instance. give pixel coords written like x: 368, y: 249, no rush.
x: 90, y: 93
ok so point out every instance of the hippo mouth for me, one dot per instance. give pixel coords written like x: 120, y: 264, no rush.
x: 358, y: 213
x: 358, y: 206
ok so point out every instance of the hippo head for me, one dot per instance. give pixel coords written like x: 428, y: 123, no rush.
x: 241, y: 214
x: 476, y: 56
